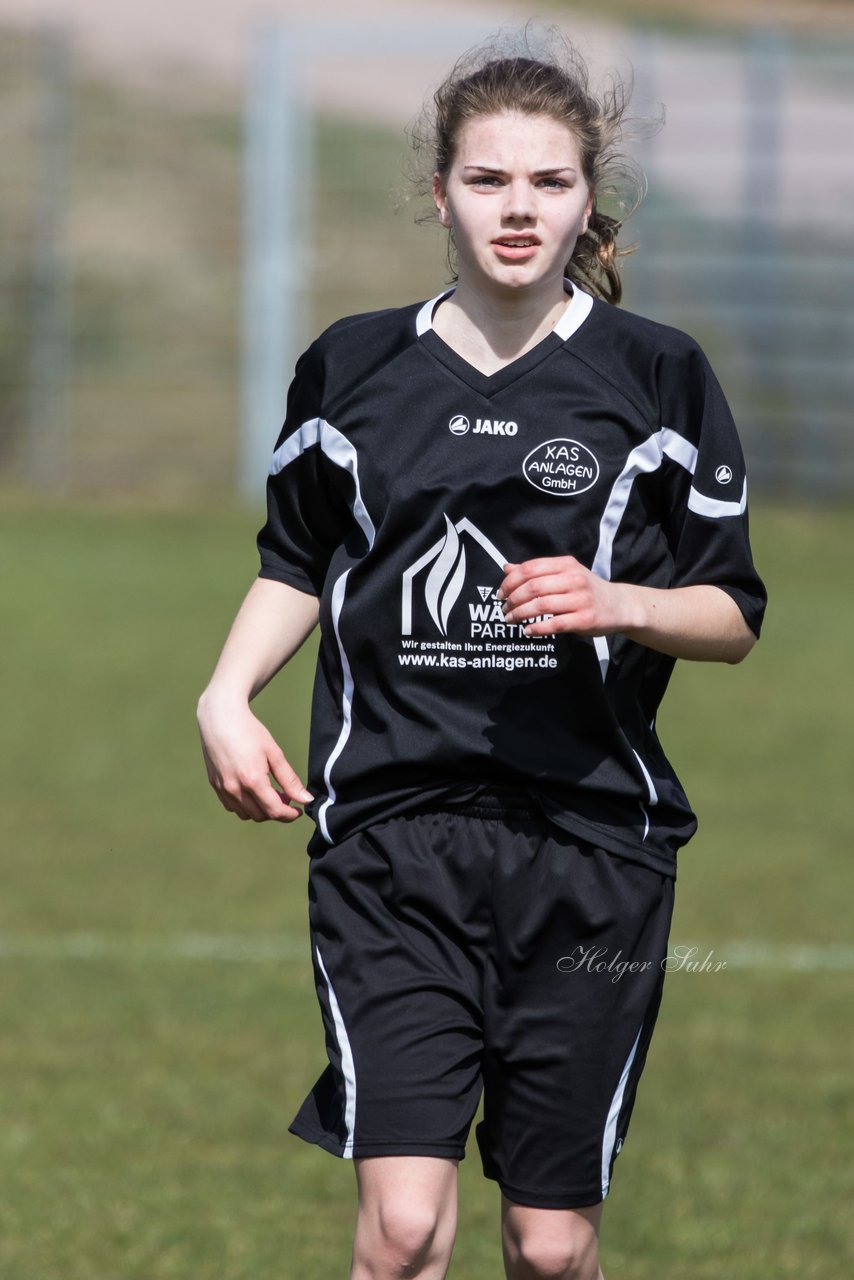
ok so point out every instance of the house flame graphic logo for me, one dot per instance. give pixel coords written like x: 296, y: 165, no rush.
x: 445, y: 580
x: 446, y: 576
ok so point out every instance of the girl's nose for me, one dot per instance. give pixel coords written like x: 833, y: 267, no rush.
x: 518, y: 201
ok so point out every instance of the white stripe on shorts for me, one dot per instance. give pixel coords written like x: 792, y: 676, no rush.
x: 613, y: 1115
x: 347, y: 1065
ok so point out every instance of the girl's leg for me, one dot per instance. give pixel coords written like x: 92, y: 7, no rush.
x: 550, y: 1244
x: 407, y: 1217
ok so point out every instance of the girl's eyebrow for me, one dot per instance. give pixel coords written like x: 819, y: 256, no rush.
x: 538, y: 173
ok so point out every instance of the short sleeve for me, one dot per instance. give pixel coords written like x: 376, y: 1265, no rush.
x: 306, y: 516
x: 705, y: 487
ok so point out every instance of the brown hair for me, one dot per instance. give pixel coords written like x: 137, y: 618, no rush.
x: 557, y: 86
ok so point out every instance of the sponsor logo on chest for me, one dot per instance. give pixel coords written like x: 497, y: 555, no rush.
x: 562, y: 467
x: 460, y: 426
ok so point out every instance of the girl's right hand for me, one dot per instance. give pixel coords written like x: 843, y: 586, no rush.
x: 240, y: 755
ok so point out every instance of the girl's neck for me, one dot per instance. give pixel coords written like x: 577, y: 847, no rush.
x: 492, y: 331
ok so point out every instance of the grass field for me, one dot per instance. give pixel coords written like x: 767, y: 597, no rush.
x: 159, y: 1018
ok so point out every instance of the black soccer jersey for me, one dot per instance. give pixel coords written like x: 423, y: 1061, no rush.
x: 403, y: 481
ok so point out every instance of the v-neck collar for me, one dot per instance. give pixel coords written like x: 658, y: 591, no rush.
x: 576, y: 312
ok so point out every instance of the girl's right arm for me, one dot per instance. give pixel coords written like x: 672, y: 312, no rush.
x: 239, y: 751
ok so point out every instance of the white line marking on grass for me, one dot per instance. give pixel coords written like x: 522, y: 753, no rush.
x: 277, y: 948
x: 792, y: 957
x: 798, y: 957
x: 245, y: 948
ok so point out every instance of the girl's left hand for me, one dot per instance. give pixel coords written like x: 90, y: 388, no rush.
x: 579, y: 601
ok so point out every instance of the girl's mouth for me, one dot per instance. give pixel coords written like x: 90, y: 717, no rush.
x: 516, y: 247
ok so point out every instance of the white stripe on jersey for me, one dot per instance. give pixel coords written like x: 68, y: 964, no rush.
x: 648, y: 457
x: 653, y: 794
x: 316, y: 431
x: 600, y: 644
x: 679, y: 449
x: 338, y: 449
x: 645, y: 458
x: 337, y: 604
x: 348, y: 1067
x: 714, y: 507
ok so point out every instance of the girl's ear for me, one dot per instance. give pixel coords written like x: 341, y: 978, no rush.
x: 440, y: 201
x: 588, y: 212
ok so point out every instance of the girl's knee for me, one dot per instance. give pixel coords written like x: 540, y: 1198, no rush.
x: 551, y: 1245
x: 406, y: 1227
x: 554, y: 1260
x: 403, y: 1240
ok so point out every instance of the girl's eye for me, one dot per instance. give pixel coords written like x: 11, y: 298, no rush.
x: 492, y: 180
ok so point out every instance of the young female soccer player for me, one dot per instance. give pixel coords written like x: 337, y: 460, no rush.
x: 510, y: 508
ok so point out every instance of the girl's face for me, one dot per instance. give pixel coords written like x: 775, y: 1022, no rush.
x: 517, y: 201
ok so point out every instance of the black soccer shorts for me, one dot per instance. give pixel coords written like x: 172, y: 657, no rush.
x: 480, y: 949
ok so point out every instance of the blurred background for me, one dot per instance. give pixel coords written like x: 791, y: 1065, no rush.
x: 190, y: 192
x: 178, y: 219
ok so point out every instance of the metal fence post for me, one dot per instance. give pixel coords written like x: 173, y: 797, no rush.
x: 277, y: 217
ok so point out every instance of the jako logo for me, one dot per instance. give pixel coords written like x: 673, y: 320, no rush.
x: 460, y: 424
x: 723, y: 475
x: 495, y: 427
x: 562, y: 468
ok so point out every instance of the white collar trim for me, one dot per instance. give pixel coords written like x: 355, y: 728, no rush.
x: 424, y: 319
x: 578, y: 309
x: 576, y: 312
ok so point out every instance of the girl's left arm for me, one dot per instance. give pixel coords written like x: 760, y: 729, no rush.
x: 700, y: 622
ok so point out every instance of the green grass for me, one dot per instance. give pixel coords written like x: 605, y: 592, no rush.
x: 144, y: 1101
